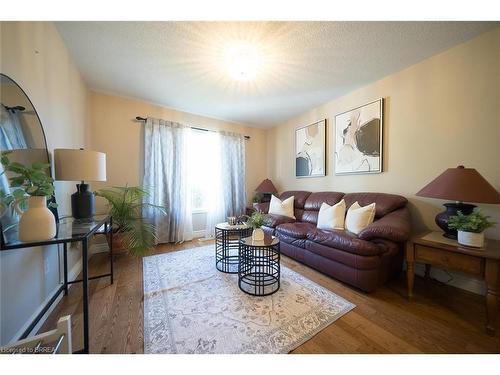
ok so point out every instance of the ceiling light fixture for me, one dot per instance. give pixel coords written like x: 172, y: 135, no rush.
x: 243, y: 62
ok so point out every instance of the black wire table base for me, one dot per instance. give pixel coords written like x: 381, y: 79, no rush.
x: 227, y: 241
x: 259, y: 269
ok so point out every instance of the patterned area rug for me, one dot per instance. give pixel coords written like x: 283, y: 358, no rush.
x: 190, y: 307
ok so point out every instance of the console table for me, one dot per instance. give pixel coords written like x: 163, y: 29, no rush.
x: 432, y: 249
x: 68, y: 230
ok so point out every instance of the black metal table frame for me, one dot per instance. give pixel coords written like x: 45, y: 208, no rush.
x: 108, y: 225
x: 224, y: 243
x: 266, y: 257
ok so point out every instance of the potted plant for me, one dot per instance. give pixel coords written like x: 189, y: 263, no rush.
x: 32, y: 187
x: 256, y: 221
x: 470, y: 227
x: 131, y: 231
x: 257, y: 197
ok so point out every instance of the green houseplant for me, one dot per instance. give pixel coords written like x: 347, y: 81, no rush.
x: 31, y: 187
x: 256, y: 221
x: 130, y: 229
x: 257, y: 197
x: 470, y: 228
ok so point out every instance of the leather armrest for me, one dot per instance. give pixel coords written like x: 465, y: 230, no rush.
x: 261, y: 207
x: 395, y: 226
x: 274, y: 220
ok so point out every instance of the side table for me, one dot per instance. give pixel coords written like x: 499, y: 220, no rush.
x: 259, y: 269
x: 227, y: 238
x: 432, y: 249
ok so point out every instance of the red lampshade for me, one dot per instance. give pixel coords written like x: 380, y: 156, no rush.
x: 266, y: 187
x: 462, y: 185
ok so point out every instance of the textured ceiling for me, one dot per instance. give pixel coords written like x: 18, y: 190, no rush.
x: 179, y: 64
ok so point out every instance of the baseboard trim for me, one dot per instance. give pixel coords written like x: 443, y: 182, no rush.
x: 199, y: 233
x: 72, y: 275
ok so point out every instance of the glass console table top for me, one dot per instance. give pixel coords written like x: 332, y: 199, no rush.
x: 68, y: 230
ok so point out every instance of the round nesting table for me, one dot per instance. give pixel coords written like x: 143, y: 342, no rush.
x: 259, y: 270
x: 227, y: 243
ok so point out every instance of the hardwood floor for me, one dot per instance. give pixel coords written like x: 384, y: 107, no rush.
x: 440, y: 319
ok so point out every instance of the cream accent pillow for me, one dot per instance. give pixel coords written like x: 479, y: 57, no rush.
x: 358, y: 218
x: 331, y: 217
x: 283, y: 208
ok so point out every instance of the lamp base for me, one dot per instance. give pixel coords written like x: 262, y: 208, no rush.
x: 82, y: 202
x: 451, y: 210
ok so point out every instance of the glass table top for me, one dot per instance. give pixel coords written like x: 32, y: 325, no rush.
x: 226, y: 226
x: 68, y: 229
x: 266, y: 242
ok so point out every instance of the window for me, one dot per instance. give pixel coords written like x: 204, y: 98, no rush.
x: 203, y: 163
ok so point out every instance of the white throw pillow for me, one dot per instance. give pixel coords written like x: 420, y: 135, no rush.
x: 331, y: 217
x: 285, y: 208
x: 358, y: 218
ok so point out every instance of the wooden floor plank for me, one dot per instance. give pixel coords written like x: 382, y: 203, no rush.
x: 440, y: 318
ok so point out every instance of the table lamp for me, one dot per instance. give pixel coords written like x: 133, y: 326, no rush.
x: 461, y: 185
x: 80, y: 165
x: 266, y: 188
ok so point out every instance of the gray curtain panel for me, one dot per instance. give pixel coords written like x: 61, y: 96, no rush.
x: 233, y: 173
x: 229, y: 181
x: 166, y: 178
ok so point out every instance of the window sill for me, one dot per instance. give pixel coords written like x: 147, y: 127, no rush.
x: 199, y: 211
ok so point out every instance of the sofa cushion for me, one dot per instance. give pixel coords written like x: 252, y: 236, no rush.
x: 315, y: 200
x: 343, y: 240
x: 273, y: 221
x: 313, y: 204
x: 355, y: 261
x: 331, y: 217
x: 299, y: 197
x: 385, y: 203
x: 358, y: 218
x: 295, y: 230
x: 281, y: 207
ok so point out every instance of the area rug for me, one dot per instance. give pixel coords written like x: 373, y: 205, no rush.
x: 190, y: 307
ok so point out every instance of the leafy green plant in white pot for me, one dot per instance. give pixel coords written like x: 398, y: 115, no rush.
x: 470, y: 228
x: 32, y: 187
x: 256, y: 221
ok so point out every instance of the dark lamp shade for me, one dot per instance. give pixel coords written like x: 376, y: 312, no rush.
x: 266, y: 186
x: 462, y: 185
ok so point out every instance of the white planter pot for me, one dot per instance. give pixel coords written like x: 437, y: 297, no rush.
x: 471, y: 239
x: 37, y: 223
x: 258, y: 235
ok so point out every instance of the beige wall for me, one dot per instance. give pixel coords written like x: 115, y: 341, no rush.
x: 439, y: 113
x: 34, y: 55
x: 115, y: 131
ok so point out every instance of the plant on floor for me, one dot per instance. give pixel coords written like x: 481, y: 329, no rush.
x: 132, y: 230
x: 476, y: 222
x: 30, y: 181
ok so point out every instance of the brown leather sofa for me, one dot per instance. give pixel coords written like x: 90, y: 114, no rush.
x: 364, y: 261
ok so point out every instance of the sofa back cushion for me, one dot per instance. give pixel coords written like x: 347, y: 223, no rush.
x: 384, y: 203
x: 281, y: 207
x: 314, y: 202
x: 299, y: 201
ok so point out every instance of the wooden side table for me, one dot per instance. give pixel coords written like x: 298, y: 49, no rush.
x: 432, y: 249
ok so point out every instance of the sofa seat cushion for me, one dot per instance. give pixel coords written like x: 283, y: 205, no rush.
x: 296, y: 230
x: 343, y: 240
x: 358, y: 262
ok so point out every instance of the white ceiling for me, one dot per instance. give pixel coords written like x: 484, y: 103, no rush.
x: 178, y: 64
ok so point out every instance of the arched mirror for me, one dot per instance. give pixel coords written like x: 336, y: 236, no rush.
x: 21, y: 132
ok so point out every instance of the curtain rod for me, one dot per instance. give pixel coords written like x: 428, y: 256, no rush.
x: 143, y: 119
x: 16, y: 108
